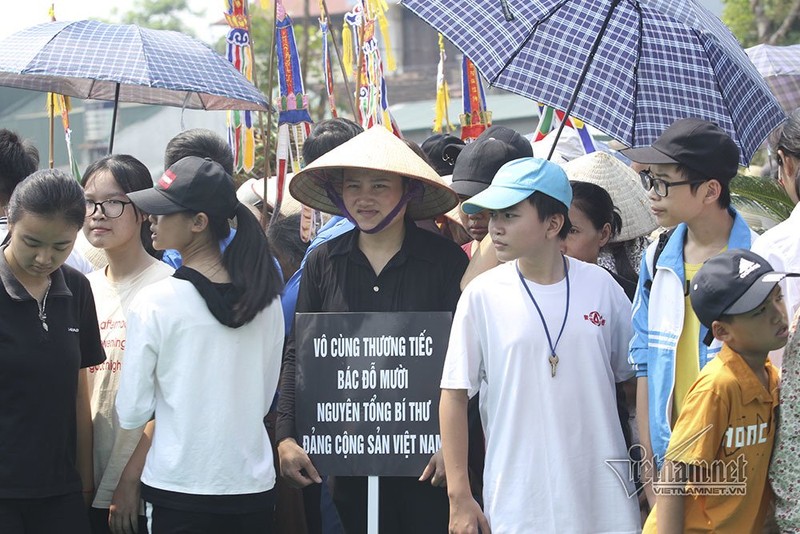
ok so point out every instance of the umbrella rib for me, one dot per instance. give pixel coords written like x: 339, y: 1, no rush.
x: 513, y: 56
x: 636, y: 72
x: 584, y: 72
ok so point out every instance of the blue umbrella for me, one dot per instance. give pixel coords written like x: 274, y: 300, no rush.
x: 630, y: 68
x: 124, y: 63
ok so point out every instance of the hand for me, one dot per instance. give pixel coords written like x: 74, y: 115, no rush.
x: 435, y: 467
x: 648, y: 477
x: 466, y: 517
x: 88, y: 498
x: 296, y: 466
x: 123, y: 515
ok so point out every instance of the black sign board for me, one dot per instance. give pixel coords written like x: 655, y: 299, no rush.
x: 367, y: 391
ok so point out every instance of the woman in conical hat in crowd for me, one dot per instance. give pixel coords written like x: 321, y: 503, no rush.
x: 621, y: 251
x: 385, y: 264
x: 203, y: 358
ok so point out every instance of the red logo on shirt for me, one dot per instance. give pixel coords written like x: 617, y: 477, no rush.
x: 595, y: 318
x: 166, y: 179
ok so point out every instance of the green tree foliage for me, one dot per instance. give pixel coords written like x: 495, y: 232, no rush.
x: 775, y: 22
x: 159, y: 15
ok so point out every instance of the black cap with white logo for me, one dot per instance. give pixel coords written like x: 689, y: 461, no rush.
x: 734, y: 282
x: 190, y: 184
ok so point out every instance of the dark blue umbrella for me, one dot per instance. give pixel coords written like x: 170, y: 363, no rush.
x: 630, y: 68
x: 124, y: 63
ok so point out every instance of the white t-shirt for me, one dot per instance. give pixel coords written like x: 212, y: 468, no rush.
x: 209, y: 387
x: 547, y: 438
x: 113, y: 446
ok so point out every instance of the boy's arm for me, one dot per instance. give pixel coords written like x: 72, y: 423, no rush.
x: 465, y: 514
x: 483, y: 259
x: 638, y: 358
x: 643, y: 424
x: 670, y: 515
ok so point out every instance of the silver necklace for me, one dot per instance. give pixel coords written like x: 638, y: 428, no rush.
x: 42, y: 310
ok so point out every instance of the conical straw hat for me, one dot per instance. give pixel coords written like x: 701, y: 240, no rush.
x: 379, y: 150
x: 624, y: 187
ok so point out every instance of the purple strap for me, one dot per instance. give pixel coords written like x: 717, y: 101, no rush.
x: 415, y: 189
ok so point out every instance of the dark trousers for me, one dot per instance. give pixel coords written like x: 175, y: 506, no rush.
x: 163, y: 520
x: 64, y: 514
x: 98, y: 519
x: 406, y: 506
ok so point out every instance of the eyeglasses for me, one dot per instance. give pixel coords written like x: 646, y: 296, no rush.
x: 110, y: 208
x: 661, y: 187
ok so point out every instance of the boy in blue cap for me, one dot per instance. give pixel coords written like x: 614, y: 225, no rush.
x: 546, y: 376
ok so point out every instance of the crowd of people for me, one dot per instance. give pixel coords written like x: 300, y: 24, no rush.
x: 613, y: 361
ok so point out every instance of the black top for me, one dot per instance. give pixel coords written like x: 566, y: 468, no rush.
x: 627, y: 285
x: 39, y: 382
x: 424, y: 275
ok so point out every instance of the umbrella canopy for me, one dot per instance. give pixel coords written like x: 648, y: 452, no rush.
x: 780, y: 67
x: 655, y: 61
x: 122, y: 62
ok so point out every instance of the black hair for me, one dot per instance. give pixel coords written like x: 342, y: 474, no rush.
x: 284, y: 238
x: 546, y: 206
x: 131, y: 175
x: 789, y: 141
x: 248, y: 260
x: 724, y: 199
x: 18, y: 159
x: 202, y: 143
x: 327, y: 135
x: 48, y: 193
x: 418, y: 151
x: 596, y: 203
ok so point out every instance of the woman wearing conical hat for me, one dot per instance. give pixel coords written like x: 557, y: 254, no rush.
x: 386, y: 264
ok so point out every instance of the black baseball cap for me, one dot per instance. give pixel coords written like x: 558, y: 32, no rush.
x: 734, y: 282
x: 442, y: 150
x: 190, y: 184
x: 695, y: 143
x: 481, y: 159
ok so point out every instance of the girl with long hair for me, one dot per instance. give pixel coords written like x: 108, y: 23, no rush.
x: 203, y: 358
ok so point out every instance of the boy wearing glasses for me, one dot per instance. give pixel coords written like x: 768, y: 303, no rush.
x: 690, y: 167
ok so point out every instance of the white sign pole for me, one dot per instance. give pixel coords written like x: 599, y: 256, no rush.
x: 372, y: 505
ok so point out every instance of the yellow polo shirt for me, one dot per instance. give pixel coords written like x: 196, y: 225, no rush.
x: 727, y: 425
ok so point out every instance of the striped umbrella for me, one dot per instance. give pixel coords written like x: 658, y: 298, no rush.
x: 627, y: 67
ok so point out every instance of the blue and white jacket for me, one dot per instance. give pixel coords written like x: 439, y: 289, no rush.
x: 656, y: 329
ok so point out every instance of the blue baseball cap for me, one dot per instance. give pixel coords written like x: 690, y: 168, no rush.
x: 519, y: 179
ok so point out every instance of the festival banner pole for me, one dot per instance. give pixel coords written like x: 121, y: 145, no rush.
x: 265, y: 204
x: 270, y: 86
x: 360, y: 39
x: 324, y: 5
x: 52, y: 115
